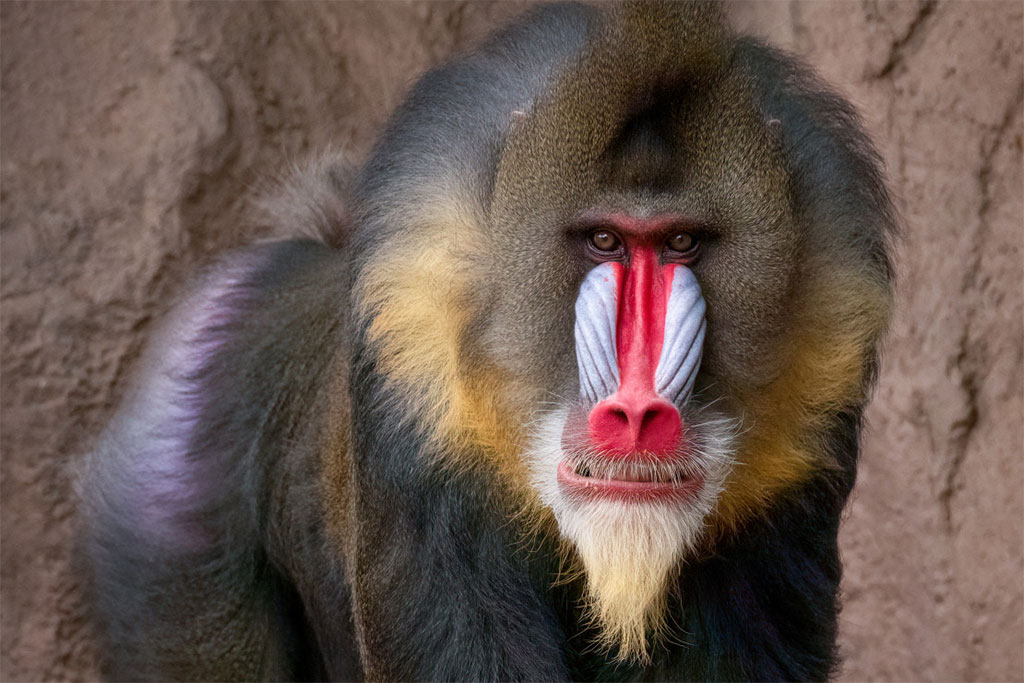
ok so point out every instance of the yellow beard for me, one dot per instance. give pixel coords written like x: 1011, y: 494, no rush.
x: 629, y: 554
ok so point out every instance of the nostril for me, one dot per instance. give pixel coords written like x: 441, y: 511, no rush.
x: 655, y: 416
x: 618, y: 417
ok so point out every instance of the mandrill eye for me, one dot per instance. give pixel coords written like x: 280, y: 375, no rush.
x: 681, y: 242
x: 604, y: 240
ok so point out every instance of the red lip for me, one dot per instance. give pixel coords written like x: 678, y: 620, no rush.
x: 630, y: 491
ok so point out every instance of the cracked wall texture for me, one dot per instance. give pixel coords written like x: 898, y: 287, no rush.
x: 132, y: 135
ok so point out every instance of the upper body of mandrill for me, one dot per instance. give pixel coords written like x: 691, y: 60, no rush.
x: 569, y: 386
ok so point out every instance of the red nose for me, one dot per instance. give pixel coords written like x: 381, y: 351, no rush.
x: 623, y: 424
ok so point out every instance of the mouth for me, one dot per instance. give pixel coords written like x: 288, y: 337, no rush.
x: 624, y: 479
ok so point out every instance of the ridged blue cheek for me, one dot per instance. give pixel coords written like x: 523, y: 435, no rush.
x: 596, y: 307
x: 684, y: 338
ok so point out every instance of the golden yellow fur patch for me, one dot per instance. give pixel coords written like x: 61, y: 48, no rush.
x: 420, y: 298
x: 841, y: 315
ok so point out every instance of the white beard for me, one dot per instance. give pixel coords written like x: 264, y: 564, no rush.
x: 631, y: 550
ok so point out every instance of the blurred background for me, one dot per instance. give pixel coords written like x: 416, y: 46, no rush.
x: 134, y: 135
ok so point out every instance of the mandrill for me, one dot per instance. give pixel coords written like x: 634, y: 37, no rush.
x: 564, y: 382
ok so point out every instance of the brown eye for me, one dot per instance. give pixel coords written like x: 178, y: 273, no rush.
x: 604, y: 240
x: 681, y: 242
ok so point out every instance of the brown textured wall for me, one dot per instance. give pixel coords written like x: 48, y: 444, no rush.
x: 132, y: 134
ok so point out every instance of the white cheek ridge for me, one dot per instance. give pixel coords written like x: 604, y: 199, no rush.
x: 596, y: 311
x: 683, y: 344
x: 595, y: 368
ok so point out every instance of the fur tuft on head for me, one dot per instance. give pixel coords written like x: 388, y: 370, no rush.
x: 565, y: 135
x: 311, y: 201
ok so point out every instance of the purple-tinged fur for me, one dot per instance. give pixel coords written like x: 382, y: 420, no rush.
x: 150, y: 471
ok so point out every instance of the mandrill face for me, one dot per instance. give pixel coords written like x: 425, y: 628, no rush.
x: 634, y: 459
x: 632, y: 468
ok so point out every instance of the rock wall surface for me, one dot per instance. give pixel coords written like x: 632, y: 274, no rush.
x: 133, y: 135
